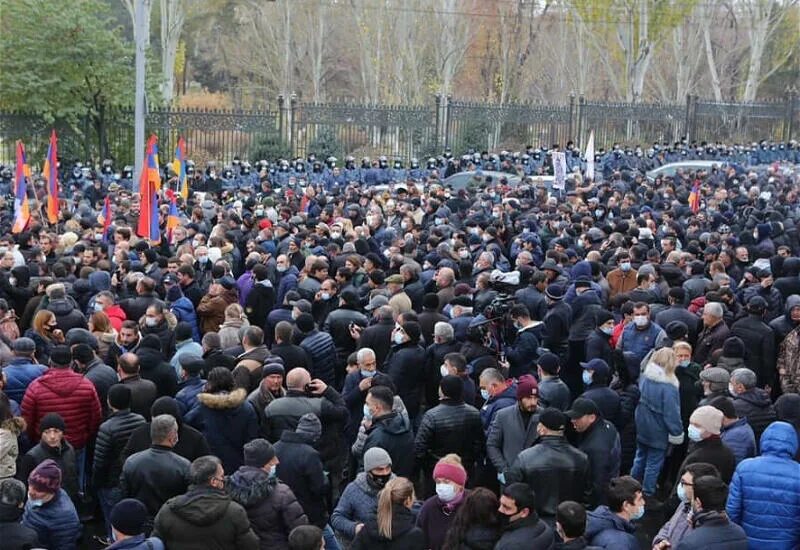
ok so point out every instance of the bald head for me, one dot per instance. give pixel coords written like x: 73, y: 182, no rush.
x: 297, y: 379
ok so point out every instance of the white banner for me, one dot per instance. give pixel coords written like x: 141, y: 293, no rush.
x: 560, y: 169
x: 590, y: 157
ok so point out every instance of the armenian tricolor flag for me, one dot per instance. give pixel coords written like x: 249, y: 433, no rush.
x: 179, y: 166
x: 106, y: 214
x: 149, y: 187
x: 22, y: 213
x: 694, y: 197
x: 50, y: 172
x: 172, y: 218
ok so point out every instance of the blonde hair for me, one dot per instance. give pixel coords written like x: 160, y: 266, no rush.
x: 682, y: 345
x: 397, y: 491
x: 665, y: 358
x: 451, y: 458
x: 234, y: 311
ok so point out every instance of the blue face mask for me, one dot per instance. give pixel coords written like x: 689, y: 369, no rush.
x: 682, y: 492
x: 367, y: 412
x: 684, y: 363
x: 367, y: 373
x: 273, y: 471
x: 36, y: 502
x: 694, y: 433
x: 638, y: 515
x: 485, y: 394
x: 587, y: 377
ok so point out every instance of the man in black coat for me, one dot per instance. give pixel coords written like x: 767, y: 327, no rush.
x: 598, y: 438
x: 261, y: 299
x: 388, y: 430
x: 556, y: 322
x: 13, y: 532
x: 533, y: 296
x: 144, y: 392
x: 300, y: 467
x: 406, y: 367
x: 677, y: 312
x: 524, y: 528
x: 378, y: 336
x: 711, y: 527
x: 338, y: 324
x: 759, y: 341
x: 135, y: 308
x: 293, y: 355
x: 554, y: 469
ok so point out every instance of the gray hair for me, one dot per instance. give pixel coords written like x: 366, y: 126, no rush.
x: 444, y: 330
x: 203, y: 469
x: 161, y: 426
x: 12, y: 492
x: 492, y: 375
x: 211, y: 340
x: 364, y: 354
x: 714, y: 309
x: 409, y: 268
x: 385, y: 312
x: 745, y: 377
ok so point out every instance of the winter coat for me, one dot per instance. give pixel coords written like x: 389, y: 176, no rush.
x: 557, y: 322
x: 188, y: 392
x: 638, y: 343
x: 67, y: 315
x: 259, y: 302
x: 479, y: 537
x: 354, y: 399
x: 139, y: 542
x: 322, y: 351
x: 191, y: 443
x: 228, y: 421
x: 116, y: 315
x: 740, y: 439
x: 534, y: 300
x: 523, y: 354
x: 13, y: 533
x: 204, y: 519
x: 435, y: 518
x: 658, y: 414
x: 764, y: 495
x: 531, y: 533
x: 55, y: 522
x: 598, y: 346
x: 712, y: 451
x: 287, y: 282
x: 405, y: 535
x: 584, y: 309
x: 64, y: 457
x: 247, y: 373
x: 601, y: 444
x: 9, y: 448
x: 293, y: 356
x: 689, y: 389
x: 508, y: 436
x: 229, y: 332
x: 771, y: 294
x: 434, y: 358
x: 211, y: 310
x: 300, y: 467
x: 713, y: 531
x: 450, y: 427
x: 337, y: 324
x: 553, y: 392
x: 555, y: 470
x: 710, y: 340
x: 606, y: 399
x: 359, y: 501
x: 783, y: 325
x: 271, y: 506
x: 496, y: 403
x: 392, y: 434
x: 153, y: 476
x: 112, y: 437
x: 620, y: 282
x: 135, y: 308
x: 756, y: 406
x: 607, y: 530
x: 759, y: 341
x: 19, y: 373
x: 405, y: 365
x: 103, y: 377
x: 378, y: 338
x: 427, y: 321
x: 788, y: 364
x: 164, y: 330
x: 143, y: 394
x: 69, y: 394
x: 183, y: 310
x: 676, y: 527
x: 153, y: 367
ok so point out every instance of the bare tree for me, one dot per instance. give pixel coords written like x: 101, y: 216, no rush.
x: 173, y: 16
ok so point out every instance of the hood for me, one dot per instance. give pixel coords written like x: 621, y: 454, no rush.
x: 149, y: 358
x: 223, y: 400
x: 10, y: 514
x: 791, y: 302
x: 779, y: 439
x: 657, y: 374
x: 201, y: 506
x: 232, y: 323
x: 61, y: 307
x: 256, y: 354
x: 791, y: 267
x: 756, y: 397
x: 581, y: 269
x: 100, y: 280
x: 602, y: 519
x: 249, y: 486
x: 730, y: 363
x: 62, y: 382
x: 23, y: 275
x: 787, y: 408
x: 106, y: 337
x: 393, y: 423
x: 15, y: 425
x: 82, y: 286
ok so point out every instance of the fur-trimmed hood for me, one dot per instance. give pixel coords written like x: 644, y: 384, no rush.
x: 656, y: 373
x: 16, y: 425
x: 223, y: 400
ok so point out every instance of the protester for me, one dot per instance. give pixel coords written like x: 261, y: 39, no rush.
x: 49, y: 510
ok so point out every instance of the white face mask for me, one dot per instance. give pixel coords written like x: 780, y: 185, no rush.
x: 335, y: 235
x: 150, y: 321
x: 443, y: 370
x: 399, y: 338
x: 463, y: 253
x: 641, y: 320
x: 446, y: 492
x: 282, y: 268
x: 731, y: 390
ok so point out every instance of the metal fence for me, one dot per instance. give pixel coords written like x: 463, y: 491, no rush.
x: 290, y: 127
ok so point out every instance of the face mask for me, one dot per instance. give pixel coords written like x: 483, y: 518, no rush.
x: 282, y: 268
x: 694, y: 433
x: 378, y: 481
x: 638, y: 514
x: 587, y: 377
x: 202, y: 259
x: 486, y: 238
x: 98, y: 307
x: 98, y: 236
x: 438, y: 221
x: 684, y: 363
x: 273, y: 471
x: 682, y: 492
x: 641, y: 320
x: 404, y: 225
x: 367, y: 373
x: 463, y: 253
x: 731, y: 390
x: 445, y: 491
x: 625, y: 266
x: 195, y: 244
x: 485, y: 394
x: 12, y: 281
x: 607, y: 331
x: 367, y: 412
x: 150, y: 321
x: 326, y: 296
x: 36, y: 502
x: 443, y: 371
x: 399, y: 338
x: 335, y: 235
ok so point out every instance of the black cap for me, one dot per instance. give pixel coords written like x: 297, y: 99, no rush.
x: 581, y: 407
x: 553, y: 419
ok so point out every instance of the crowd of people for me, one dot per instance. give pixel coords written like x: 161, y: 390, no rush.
x: 304, y: 363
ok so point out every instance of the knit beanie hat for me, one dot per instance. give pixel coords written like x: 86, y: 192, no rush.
x: 52, y: 420
x: 310, y: 425
x: 708, y: 418
x: 46, y: 477
x: 375, y: 457
x: 451, y: 472
x: 733, y: 347
x: 129, y: 517
x: 527, y: 386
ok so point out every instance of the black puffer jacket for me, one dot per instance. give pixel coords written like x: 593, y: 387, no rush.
x: 759, y: 341
x: 756, y: 406
x: 300, y: 467
x: 112, y: 437
x: 322, y: 351
x: 405, y: 535
x: 602, y: 446
x: 393, y: 434
x: 450, y: 427
x: 337, y: 324
x: 556, y: 471
x: 13, y: 533
x: 204, y: 519
x: 271, y: 506
x: 153, y: 367
x: 406, y: 367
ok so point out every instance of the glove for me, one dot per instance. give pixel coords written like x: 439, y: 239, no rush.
x: 675, y: 439
x: 501, y: 478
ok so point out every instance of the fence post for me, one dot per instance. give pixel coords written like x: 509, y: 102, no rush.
x: 689, y: 124
x: 438, y: 135
x: 788, y: 125
x: 579, y: 117
x: 290, y: 126
x: 281, y: 107
x: 571, y: 131
x: 447, y: 124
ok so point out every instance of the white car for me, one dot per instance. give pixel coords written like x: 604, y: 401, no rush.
x: 669, y: 170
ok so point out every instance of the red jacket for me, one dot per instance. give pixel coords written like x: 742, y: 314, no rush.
x: 116, y: 315
x: 69, y: 394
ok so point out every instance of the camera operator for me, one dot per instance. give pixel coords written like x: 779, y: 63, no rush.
x: 523, y: 353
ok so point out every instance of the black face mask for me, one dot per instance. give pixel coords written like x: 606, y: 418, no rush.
x: 376, y: 481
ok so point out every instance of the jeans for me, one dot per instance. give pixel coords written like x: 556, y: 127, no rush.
x: 330, y: 539
x: 647, y: 466
x: 80, y: 463
x: 108, y: 497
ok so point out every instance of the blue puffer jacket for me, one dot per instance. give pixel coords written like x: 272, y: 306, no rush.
x: 56, y: 522
x: 322, y: 350
x: 765, y: 492
x: 606, y: 529
x: 658, y: 414
x: 739, y: 438
x: 20, y: 372
x: 359, y: 502
x: 183, y: 310
x: 505, y: 399
x: 187, y: 394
